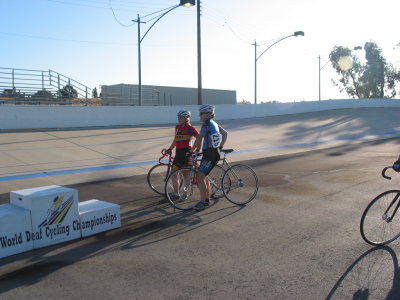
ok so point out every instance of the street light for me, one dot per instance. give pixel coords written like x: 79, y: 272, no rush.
x: 320, y: 68
x: 296, y: 33
x: 185, y: 3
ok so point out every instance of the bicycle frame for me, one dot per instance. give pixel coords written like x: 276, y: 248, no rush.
x: 389, y: 219
x: 225, y: 166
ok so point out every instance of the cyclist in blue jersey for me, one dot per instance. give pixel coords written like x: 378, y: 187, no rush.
x: 213, y: 137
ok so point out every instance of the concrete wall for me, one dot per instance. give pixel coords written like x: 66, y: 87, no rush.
x: 31, y: 116
x: 128, y: 94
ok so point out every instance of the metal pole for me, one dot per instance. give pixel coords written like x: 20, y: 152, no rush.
x: 319, y: 77
x: 199, y: 84
x: 257, y: 58
x: 255, y: 73
x: 140, y: 62
x: 13, y: 80
x: 58, y: 83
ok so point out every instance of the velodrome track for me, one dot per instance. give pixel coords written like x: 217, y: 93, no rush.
x: 42, y: 157
x: 298, y: 240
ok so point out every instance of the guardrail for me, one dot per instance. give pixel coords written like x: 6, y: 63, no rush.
x: 24, y: 86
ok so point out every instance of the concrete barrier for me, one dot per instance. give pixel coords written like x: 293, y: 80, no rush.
x: 53, y: 209
x: 49, y: 215
x: 37, y: 116
x: 15, y: 224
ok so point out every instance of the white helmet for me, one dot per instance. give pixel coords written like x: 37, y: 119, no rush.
x: 184, y: 113
x: 207, y: 108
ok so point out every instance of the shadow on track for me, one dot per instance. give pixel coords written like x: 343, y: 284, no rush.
x: 374, y: 275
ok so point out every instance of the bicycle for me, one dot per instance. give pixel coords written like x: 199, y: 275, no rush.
x: 237, y: 183
x: 378, y: 225
x: 158, y: 174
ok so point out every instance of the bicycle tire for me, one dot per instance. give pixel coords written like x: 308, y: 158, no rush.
x: 156, y: 178
x: 215, y: 178
x: 376, y: 226
x: 180, y: 190
x: 242, y: 186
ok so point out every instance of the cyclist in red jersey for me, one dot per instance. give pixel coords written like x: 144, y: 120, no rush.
x: 184, y: 132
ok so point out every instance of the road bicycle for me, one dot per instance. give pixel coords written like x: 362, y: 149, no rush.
x: 379, y: 224
x: 158, y: 174
x: 237, y: 183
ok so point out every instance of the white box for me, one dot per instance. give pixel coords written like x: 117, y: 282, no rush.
x: 98, y: 216
x: 54, y: 211
x: 15, y: 228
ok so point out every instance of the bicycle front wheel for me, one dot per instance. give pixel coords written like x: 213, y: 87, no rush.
x: 181, y: 189
x: 157, y: 176
x: 240, y: 184
x: 379, y: 224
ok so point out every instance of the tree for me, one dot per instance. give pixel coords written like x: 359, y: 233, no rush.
x: 42, y: 94
x: 374, y: 79
x: 94, y: 93
x: 244, y: 102
x: 68, y: 91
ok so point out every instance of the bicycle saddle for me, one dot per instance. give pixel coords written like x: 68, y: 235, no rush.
x: 227, y: 150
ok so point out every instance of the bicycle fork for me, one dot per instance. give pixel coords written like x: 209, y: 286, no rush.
x: 385, y: 216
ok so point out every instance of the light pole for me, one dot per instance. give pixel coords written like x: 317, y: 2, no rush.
x: 320, y: 68
x: 199, y: 84
x: 185, y: 3
x: 296, y: 33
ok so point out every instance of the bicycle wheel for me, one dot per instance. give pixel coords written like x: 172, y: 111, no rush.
x: 181, y: 190
x: 156, y: 178
x: 379, y: 224
x: 215, y: 178
x: 242, y: 186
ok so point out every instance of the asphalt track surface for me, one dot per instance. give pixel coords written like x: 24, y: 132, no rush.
x: 299, y: 239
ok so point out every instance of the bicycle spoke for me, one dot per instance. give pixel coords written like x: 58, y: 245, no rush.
x: 242, y: 186
x: 180, y: 189
x: 156, y: 178
x: 215, y: 178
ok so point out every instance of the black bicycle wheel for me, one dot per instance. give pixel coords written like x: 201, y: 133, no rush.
x: 156, y: 178
x: 181, y: 189
x: 215, y: 178
x: 379, y: 223
x: 242, y: 186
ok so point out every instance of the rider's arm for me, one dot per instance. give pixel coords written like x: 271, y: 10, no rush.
x: 197, y: 142
x: 224, y: 135
x: 172, y: 145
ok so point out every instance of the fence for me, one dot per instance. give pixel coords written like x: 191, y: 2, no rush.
x: 23, y: 86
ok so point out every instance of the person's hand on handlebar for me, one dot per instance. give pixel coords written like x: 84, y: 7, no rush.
x: 396, y: 166
x: 194, y: 154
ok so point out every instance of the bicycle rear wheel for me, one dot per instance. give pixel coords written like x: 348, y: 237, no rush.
x: 379, y: 223
x: 242, y: 186
x: 157, y: 176
x: 181, y: 189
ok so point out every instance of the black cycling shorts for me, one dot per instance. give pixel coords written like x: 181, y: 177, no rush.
x: 210, y: 159
x: 181, y: 158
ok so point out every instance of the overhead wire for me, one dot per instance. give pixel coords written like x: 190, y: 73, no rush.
x: 116, y: 19
x: 65, y: 40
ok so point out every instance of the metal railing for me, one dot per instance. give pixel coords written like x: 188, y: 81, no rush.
x: 23, y: 86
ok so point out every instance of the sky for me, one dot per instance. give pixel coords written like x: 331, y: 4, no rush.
x: 95, y: 42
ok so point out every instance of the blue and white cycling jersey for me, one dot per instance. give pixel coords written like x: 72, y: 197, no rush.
x: 212, y: 137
